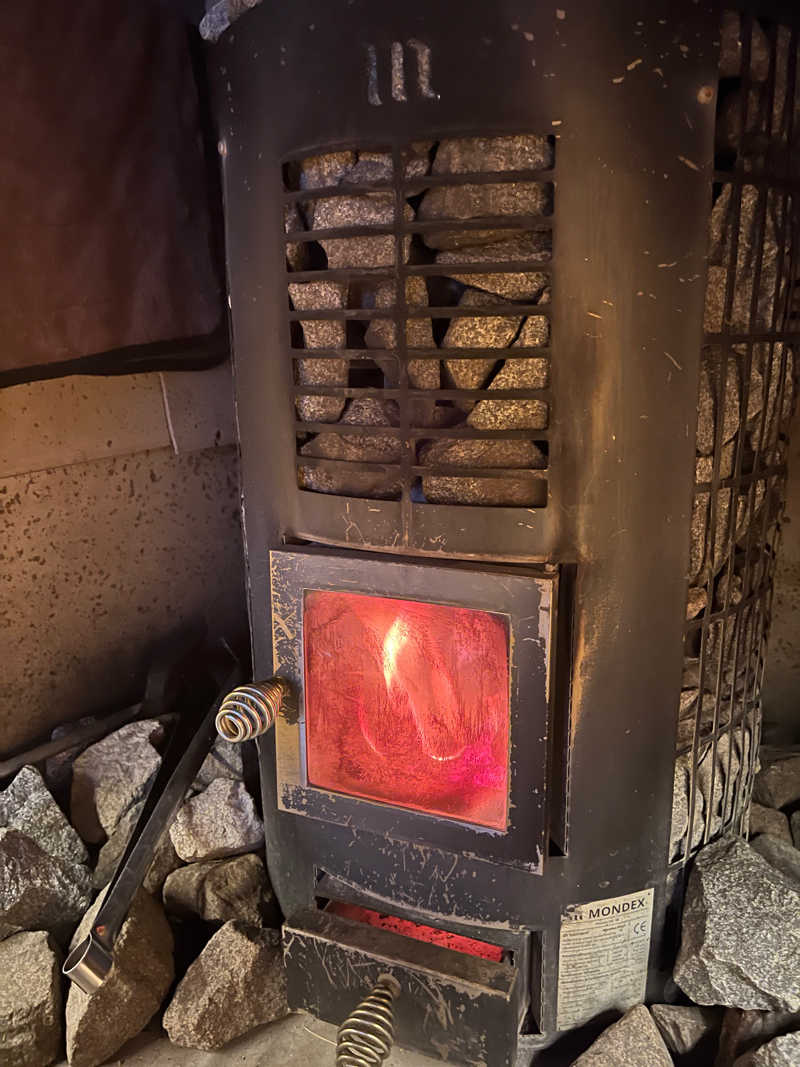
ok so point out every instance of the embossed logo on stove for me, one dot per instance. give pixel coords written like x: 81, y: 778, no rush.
x: 422, y: 56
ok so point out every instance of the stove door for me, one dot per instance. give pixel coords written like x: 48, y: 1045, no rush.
x: 422, y: 703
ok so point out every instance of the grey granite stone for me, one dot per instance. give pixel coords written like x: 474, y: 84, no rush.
x: 370, y: 485
x: 165, y: 859
x: 354, y: 447
x: 633, y: 1041
x: 221, y: 890
x: 470, y: 201
x: 221, y: 821
x: 363, y: 447
x: 741, y: 932
x: 769, y: 821
x: 336, y: 168
x: 100, y: 1024
x: 526, y: 373
x: 318, y: 172
x: 721, y: 590
x: 215, y: 1001
x: 111, y: 775
x: 370, y: 209
x: 684, y: 1027
x: 696, y: 600
x: 371, y: 411
x: 370, y: 168
x: 680, y: 809
x: 749, y: 251
x: 780, y: 854
x: 778, y: 784
x: 707, y: 403
x: 320, y: 333
x: 223, y: 761
x: 38, y: 891
x: 381, y: 333
x: 511, y: 285
x: 462, y: 155
x: 30, y: 1001
x: 698, y: 530
x: 27, y: 805
x: 780, y: 1052
x: 417, y: 159
x: 535, y: 332
x: 469, y: 489
x: 517, y: 285
x: 779, y: 369
x: 794, y: 823
x: 714, y: 304
x: 488, y: 331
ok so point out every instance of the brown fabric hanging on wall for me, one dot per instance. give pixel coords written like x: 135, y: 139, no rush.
x: 105, y: 225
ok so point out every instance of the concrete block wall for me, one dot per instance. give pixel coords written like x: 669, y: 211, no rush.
x: 119, y: 519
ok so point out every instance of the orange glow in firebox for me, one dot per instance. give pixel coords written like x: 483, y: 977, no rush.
x: 408, y: 703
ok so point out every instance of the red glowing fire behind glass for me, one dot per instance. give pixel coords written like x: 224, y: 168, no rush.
x: 408, y: 703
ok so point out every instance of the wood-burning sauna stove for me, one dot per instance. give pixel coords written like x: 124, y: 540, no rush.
x: 474, y: 304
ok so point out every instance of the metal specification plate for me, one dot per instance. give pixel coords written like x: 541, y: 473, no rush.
x: 603, y: 956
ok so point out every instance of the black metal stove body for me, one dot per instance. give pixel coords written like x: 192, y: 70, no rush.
x: 585, y: 551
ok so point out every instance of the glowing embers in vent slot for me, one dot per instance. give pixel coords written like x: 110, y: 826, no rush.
x: 470, y: 946
x: 408, y: 703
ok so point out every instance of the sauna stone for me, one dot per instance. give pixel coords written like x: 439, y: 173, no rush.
x: 485, y: 332
x: 381, y: 333
x: 320, y: 333
x: 529, y: 373
x: 31, y: 1022
x: 463, y: 155
x: 371, y: 209
x: 100, y: 1024
x: 318, y: 172
x: 740, y: 933
x: 634, y: 1041
x: 505, y: 492
x: 38, y: 891
x: 27, y: 805
x: 237, y: 982
x: 111, y: 776
x: 221, y: 821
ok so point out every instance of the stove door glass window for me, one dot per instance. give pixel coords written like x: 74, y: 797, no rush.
x: 408, y: 703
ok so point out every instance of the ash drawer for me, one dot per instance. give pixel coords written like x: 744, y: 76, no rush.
x: 453, y: 1006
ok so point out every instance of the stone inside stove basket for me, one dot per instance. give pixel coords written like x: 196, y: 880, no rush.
x: 514, y: 303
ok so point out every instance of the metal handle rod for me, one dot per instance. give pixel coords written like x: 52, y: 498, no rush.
x: 88, y: 964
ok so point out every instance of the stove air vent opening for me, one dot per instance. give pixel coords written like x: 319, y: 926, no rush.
x: 420, y: 279
x: 746, y: 399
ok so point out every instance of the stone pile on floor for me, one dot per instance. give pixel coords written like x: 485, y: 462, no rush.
x: 202, y: 932
x: 739, y: 960
x: 206, y: 893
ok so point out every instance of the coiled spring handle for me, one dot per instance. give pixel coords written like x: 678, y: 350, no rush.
x: 250, y: 710
x: 366, y: 1036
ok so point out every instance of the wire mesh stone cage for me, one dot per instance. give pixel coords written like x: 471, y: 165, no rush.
x: 514, y: 303
x: 746, y: 398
